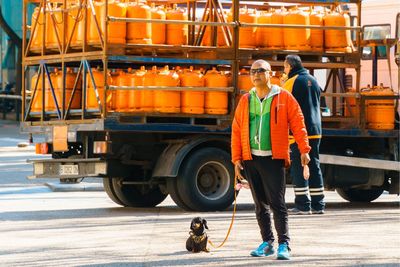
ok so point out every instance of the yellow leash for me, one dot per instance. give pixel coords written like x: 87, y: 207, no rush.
x: 230, y: 226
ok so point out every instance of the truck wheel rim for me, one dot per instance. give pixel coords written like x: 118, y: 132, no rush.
x: 212, y: 180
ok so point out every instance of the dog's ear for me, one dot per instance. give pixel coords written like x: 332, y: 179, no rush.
x: 205, y: 223
x: 192, y: 225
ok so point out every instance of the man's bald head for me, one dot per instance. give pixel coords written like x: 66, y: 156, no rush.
x: 259, y: 74
x: 260, y: 63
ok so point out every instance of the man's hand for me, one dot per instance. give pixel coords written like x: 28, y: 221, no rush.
x: 238, y: 168
x: 305, y: 159
x: 306, y: 172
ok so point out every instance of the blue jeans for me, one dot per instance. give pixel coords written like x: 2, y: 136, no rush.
x: 314, y: 186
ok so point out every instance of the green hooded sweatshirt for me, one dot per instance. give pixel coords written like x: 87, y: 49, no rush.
x: 260, y: 134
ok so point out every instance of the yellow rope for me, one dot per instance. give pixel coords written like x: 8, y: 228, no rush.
x: 230, y: 226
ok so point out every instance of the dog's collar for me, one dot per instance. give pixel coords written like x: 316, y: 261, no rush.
x: 197, y: 238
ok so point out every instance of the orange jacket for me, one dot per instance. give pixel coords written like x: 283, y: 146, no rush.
x: 285, y: 114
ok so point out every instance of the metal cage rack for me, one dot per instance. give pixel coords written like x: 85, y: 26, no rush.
x: 230, y: 57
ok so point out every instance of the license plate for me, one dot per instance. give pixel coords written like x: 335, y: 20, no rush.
x: 69, y: 170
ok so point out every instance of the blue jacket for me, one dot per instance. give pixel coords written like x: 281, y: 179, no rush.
x: 307, y: 92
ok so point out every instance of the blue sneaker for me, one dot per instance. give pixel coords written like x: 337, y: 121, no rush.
x: 265, y: 249
x: 283, y: 252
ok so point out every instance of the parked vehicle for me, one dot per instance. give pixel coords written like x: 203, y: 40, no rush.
x: 117, y: 112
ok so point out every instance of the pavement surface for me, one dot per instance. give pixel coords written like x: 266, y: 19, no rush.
x: 44, y: 228
x: 40, y: 227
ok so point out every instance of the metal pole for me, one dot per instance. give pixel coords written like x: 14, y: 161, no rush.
x: 43, y: 50
x: 235, y: 47
x: 106, y: 22
x: 374, y: 65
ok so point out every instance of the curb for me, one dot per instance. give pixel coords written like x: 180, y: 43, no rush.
x: 58, y: 187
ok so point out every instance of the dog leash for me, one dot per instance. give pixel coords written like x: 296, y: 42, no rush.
x: 230, y: 226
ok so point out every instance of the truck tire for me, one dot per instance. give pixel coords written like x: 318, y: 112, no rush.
x: 137, y: 195
x: 107, y: 184
x: 174, y: 194
x: 359, y: 195
x: 205, y: 181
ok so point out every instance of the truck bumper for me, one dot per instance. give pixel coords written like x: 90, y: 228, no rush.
x: 68, y: 168
x: 388, y: 165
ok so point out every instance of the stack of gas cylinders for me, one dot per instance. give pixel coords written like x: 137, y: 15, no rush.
x: 146, y: 99
x: 50, y: 20
x: 57, y: 83
x: 379, y: 113
x: 300, y: 39
x: 171, y: 101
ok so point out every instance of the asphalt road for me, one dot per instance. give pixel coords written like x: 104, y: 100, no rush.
x: 39, y: 227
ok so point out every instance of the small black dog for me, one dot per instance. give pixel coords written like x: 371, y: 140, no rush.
x: 197, y: 240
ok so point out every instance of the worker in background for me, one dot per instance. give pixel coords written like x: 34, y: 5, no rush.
x: 306, y: 90
x: 260, y: 146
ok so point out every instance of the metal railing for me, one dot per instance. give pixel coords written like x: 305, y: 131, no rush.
x: 10, y: 104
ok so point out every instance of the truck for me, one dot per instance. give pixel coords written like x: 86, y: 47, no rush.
x: 142, y: 156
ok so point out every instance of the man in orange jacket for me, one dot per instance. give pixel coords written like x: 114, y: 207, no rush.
x: 260, y: 147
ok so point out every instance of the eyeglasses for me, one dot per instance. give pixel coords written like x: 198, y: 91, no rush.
x: 259, y: 71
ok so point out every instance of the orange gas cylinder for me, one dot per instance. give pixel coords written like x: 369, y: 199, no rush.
x: 49, y: 104
x: 70, y: 78
x: 276, y: 40
x: 147, y: 100
x: 380, y: 113
x: 158, y: 30
x: 296, y: 39
x: 179, y: 71
x: 56, y: 78
x: 275, y: 78
x: 216, y: 102
x: 76, y: 18
x: 244, y: 81
x: 247, y: 35
x: 337, y: 40
x: 91, y: 100
x: 228, y: 75
x: 317, y: 36
x: 114, y: 81
x: 54, y: 24
x: 57, y: 81
x: 263, y: 34
x: 116, y: 30
x: 120, y: 97
x: 192, y: 101
x: 167, y: 101
x: 37, y: 31
x: 177, y: 34
x: 207, y: 37
x: 37, y: 98
x: 138, y: 33
x: 136, y: 78
x: 220, y: 36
